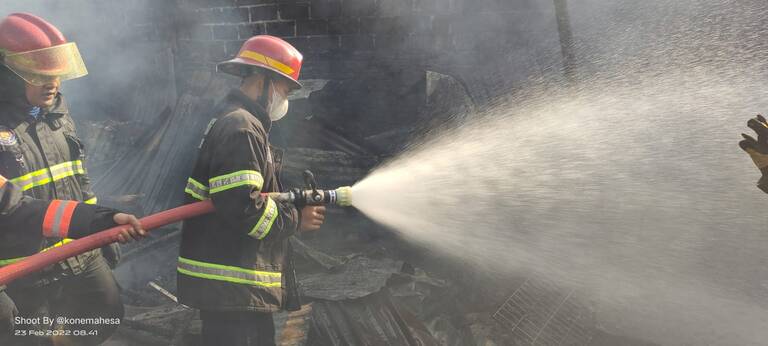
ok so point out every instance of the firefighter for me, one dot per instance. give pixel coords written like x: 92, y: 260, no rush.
x: 42, y: 155
x: 235, y: 265
x: 26, y: 221
x: 758, y: 148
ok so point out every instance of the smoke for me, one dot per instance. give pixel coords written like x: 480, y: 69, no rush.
x: 628, y: 183
x: 120, y: 42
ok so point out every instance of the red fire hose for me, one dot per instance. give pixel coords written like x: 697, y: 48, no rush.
x: 36, y: 262
x: 41, y: 260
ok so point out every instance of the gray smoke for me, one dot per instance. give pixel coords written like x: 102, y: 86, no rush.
x: 119, y: 41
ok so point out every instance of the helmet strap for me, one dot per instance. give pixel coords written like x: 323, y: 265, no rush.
x: 264, y: 99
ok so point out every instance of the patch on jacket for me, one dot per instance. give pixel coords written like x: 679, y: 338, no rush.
x: 7, y: 137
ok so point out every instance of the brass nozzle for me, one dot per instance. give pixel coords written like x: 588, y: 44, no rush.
x: 344, y: 196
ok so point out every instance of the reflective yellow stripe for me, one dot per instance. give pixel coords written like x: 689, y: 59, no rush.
x: 93, y: 200
x: 62, y: 242
x: 26, y: 182
x: 196, y: 189
x: 47, y: 175
x: 197, y: 184
x: 236, y: 179
x: 262, y: 228
x: 280, y: 66
x: 6, y: 262
x: 249, y: 54
x: 211, y: 271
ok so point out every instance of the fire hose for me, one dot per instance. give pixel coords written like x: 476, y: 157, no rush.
x: 37, y: 262
x: 41, y: 260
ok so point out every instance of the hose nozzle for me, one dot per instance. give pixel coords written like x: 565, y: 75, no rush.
x: 312, y: 196
x: 341, y: 197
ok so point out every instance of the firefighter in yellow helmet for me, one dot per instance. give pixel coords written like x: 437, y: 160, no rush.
x: 235, y: 265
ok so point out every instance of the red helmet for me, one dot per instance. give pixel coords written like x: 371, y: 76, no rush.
x: 23, y: 32
x: 269, y: 53
x: 37, y: 51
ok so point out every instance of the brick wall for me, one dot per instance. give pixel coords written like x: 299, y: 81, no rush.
x: 342, y: 37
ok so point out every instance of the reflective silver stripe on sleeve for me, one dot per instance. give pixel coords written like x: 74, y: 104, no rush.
x: 56, y: 230
x: 236, y: 179
x: 262, y: 228
x: 196, y: 189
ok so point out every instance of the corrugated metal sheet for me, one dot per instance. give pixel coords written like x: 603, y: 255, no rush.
x: 369, y: 321
x: 542, y: 313
x: 156, y: 167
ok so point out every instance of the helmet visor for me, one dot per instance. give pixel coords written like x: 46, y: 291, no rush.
x: 41, y: 66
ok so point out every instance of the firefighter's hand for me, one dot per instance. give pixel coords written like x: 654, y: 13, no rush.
x: 133, y: 231
x: 312, y: 217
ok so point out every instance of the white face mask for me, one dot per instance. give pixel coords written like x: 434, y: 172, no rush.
x: 278, y: 107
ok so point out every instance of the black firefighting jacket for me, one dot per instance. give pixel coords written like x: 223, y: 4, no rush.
x: 42, y: 155
x: 238, y: 258
x: 25, y: 221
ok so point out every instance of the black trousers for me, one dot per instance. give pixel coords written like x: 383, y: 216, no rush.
x: 237, y: 328
x: 94, y: 293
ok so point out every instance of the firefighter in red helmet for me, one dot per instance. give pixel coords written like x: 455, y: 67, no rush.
x: 235, y: 265
x: 41, y: 154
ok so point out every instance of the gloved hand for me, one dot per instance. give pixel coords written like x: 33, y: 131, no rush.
x: 758, y: 148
